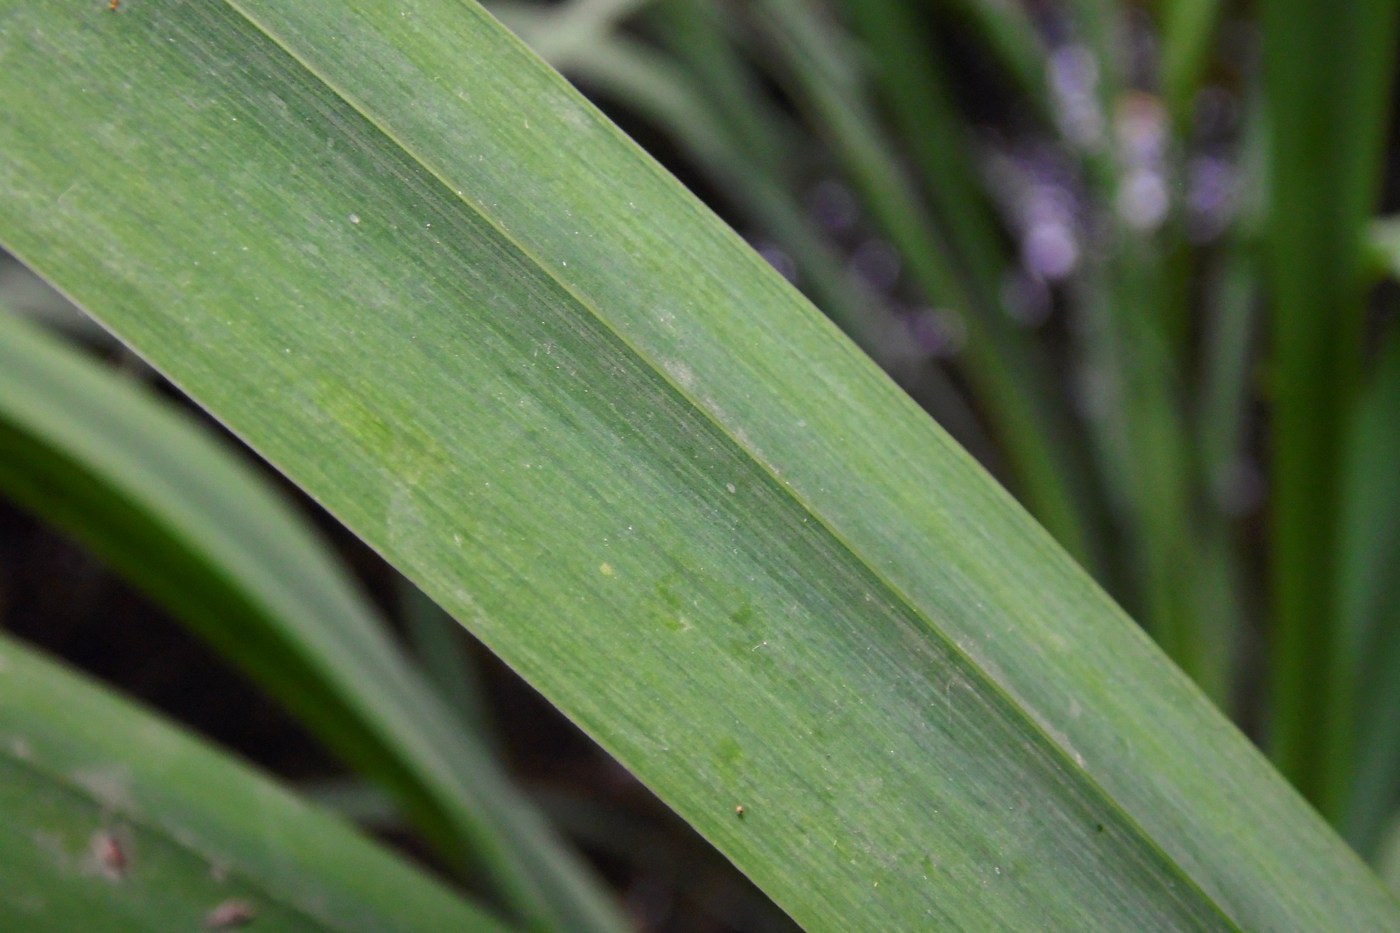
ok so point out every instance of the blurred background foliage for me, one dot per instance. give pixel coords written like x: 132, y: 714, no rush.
x: 1133, y: 256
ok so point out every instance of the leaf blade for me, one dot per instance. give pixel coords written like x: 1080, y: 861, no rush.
x: 111, y: 825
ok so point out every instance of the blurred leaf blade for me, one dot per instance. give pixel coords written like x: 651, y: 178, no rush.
x: 1010, y: 34
x: 1383, y: 247
x: 440, y: 649
x: 1388, y: 861
x: 1370, y: 600
x: 1328, y: 120
x: 613, y: 443
x: 181, y: 518
x: 567, y: 30
x: 914, y: 86
x: 116, y: 820
x: 1188, y: 29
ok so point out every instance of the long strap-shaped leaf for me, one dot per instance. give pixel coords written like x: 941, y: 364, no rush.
x: 430, y: 283
x: 115, y: 820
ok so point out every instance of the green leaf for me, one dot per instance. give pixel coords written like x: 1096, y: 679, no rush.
x: 1188, y: 30
x: 204, y: 535
x: 1328, y: 117
x: 116, y: 820
x: 1388, y: 862
x: 1382, y: 247
x: 438, y: 290
x: 1009, y: 34
x: 441, y: 651
x: 1369, y: 597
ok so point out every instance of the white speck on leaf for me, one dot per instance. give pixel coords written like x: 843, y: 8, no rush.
x: 680, y: 372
